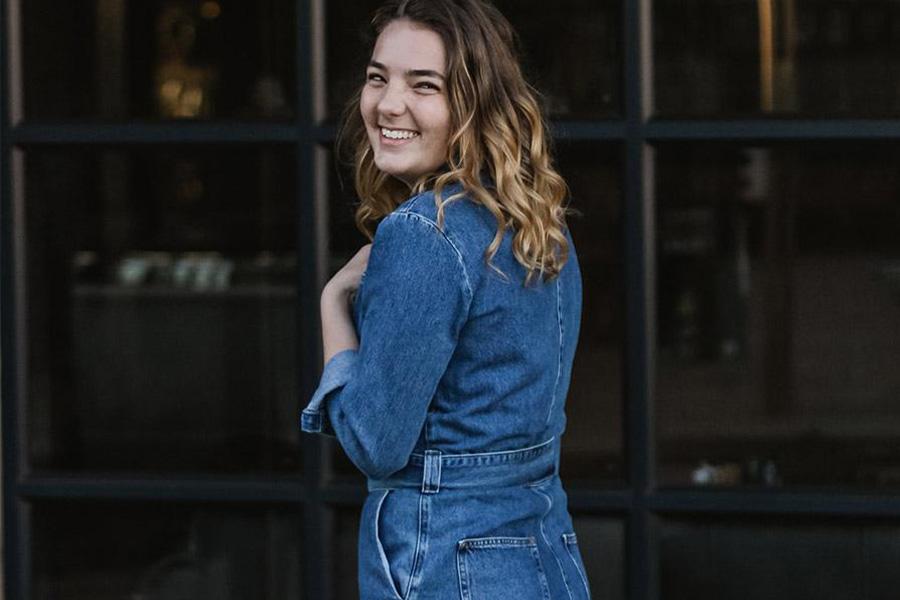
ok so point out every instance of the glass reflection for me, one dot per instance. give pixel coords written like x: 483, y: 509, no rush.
x: 579, y: 77
x: 762, y: 57
x: 159, y: 59
x: 592, y: 444
x: 161, y: 323
x: 781, y: 559
x: 345, y: 558
x: 107, y: 551
x: 778, y: 303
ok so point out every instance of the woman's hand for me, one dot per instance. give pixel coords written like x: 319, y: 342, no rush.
x: 346, y: 281
x: 338, y: 329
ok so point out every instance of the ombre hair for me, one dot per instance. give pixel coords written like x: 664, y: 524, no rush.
x: 498, y: 149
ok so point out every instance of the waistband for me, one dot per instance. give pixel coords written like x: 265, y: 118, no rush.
x: 434, y: 470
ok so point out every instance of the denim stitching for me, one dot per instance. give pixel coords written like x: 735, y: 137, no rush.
x: 499, y: 452
x: 559, y: 321
x: 497, y: 541
x: 421, y: 541
x: 544, y: 535
x: 574, y: 542
x: 462, y: 571
x: 466, y: 590
x: 459, y: 257
x: 385, y: 565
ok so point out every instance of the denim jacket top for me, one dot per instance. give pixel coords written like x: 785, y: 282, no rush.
x: 451, y: 356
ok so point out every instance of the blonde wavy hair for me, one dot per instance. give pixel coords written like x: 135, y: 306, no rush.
x: 498, y: 129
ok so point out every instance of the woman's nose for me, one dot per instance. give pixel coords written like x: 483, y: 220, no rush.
x: 391, y: 101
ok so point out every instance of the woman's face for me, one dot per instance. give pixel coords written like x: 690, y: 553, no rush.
x: 404, y: 101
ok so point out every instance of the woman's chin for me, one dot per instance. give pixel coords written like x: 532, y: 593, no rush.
x: 393, y: 170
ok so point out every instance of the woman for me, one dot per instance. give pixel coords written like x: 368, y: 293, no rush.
x: 467, y: 306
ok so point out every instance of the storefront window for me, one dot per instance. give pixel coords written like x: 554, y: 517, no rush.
x: 807, y: 58
x: 161, y: 310
x: 159, y: 59
x: 108, y: 551
x: 778, y: 315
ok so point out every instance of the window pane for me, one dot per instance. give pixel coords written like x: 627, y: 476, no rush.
x: 109, y: 551
x: 779, y: 307
x: 778, y: 559
x: 345, y: 50
x: 579, y: 78
x: 345, y: 560
x: 809, y: 57
x: 159, y: 59
x: 592, y: 445
x: 572, y: 54
x: 161, y: 299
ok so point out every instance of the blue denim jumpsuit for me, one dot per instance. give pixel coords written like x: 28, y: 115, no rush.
x: 452, y: 407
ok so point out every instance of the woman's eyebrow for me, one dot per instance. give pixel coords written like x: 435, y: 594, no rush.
x: 410, y: 72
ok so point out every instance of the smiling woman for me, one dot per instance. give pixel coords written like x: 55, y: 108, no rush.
x: 403, y: 103
x: 446, y: 382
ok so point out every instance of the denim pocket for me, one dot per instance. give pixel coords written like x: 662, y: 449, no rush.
x: 395, y: 539
x: 500, y: 567
x: 570, y: 541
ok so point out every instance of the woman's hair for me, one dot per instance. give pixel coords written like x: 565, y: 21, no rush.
x: 497, y: 130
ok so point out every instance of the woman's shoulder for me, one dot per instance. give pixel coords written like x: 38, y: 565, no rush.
x: 465, y: 221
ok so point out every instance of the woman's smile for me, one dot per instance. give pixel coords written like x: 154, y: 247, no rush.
x: 397, y: 137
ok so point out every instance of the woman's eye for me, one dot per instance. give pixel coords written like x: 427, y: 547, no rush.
x: 427, y: 85
x: 374, y: 77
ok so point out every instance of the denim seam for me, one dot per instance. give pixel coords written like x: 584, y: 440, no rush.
x: 540, y: 482
x: 498, y: 452
x: 574, y: 542
x: 547, y: 541
x: 462, y: 571
x: 385, y: 565
x: 459, y: 256
x: 421, y: 542
x: 559, y: 321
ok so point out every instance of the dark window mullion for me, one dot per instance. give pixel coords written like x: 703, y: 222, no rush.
x: 316, y: 571
x: 641, y: 563
x: 205, y: 490
x: 767, y: 502
x: 15, y: 531
x: 166, y: 132
x: 749, y: 130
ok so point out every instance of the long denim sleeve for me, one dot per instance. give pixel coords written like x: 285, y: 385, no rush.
x: 414, y: 299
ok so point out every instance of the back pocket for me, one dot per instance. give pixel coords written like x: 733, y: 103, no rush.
x: 500, y: 567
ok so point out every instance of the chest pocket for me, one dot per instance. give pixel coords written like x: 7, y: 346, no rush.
x: 500, y: 567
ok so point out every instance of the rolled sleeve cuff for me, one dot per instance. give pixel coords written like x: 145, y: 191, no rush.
x: 337, y: 372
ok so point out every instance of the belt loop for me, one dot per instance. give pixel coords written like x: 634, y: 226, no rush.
x: 431, y: 473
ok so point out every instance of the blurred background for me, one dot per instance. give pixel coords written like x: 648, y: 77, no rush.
x: 171, y: 207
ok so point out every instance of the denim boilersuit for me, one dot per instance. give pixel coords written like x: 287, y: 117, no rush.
x: 452, y: 407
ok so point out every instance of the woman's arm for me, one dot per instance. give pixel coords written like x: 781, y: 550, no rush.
x: 338, y: 331
x: 375, y: 398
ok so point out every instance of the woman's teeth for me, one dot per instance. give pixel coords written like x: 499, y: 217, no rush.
x: 398, y: 134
